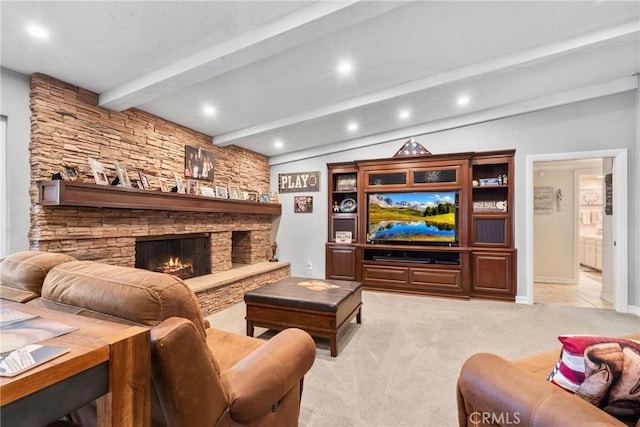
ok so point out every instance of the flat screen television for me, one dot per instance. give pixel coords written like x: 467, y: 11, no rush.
x: 416, y: 218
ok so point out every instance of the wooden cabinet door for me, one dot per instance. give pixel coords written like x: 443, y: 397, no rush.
x: 493, y: 274
x: 341, y: 262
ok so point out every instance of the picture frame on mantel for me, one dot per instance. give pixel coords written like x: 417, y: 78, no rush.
x: 123, y: 176
x: 179, y: 183
x: 99, y: 173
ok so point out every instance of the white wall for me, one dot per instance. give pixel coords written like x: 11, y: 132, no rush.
x: 603, y: 123
x: 553, y: 249
x: 14, y: 104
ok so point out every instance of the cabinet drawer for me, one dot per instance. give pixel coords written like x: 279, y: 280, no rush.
x: 448, y: 279
x: 383, y: 275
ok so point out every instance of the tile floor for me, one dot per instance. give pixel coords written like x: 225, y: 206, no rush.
x: 584, y: 294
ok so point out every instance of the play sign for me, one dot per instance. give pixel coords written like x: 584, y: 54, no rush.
x: 298, y: 182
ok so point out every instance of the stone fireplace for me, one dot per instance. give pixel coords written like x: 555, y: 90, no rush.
x: 184, y: 256
x: 68, y: 125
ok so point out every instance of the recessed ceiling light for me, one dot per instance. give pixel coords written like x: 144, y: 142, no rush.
x: 345, y: 68
x: 352, y: 127
x: 404, y: 114
x: 278, y: 143
x: 209, y: 110
x: 37, y: 31
x: 463, y: 100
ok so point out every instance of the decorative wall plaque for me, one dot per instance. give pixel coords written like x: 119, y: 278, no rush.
x: 297, y: 182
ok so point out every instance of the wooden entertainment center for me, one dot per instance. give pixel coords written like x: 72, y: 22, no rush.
x: 479, y: 262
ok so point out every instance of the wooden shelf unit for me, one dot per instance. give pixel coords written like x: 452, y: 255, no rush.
x: 69, y: 193
x: 481, y: 264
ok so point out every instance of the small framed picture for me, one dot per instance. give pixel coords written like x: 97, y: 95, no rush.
x: 207, y: 191
x: 179, y: 182
x: 252, y: 196
x: 192, y: 187
x: 164, y: 186
x: 145, y: 181
x: 343, y: 237
x: 265, y: 198
x: 70, y: 172
x: 234, y: 192
x: 274, y: 197
x: 123, y: 176
x: 221, y: 192
x: 303, y: 204
x: 101, y: 177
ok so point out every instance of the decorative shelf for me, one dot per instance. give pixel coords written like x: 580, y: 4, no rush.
x: 69, y: 193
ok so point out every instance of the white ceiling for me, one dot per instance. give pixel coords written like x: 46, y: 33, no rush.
x: 269, y: 68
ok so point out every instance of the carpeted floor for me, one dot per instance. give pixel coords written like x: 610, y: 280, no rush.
x: 399, y: 367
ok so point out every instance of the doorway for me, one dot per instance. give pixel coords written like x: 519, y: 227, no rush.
x: 569, y: 265
x: 617, y: 268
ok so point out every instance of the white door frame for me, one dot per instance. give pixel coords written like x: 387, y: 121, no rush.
x: 4, y: 202
x: 620, y: 233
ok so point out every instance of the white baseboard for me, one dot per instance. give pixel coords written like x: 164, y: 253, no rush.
x: 634, y: 309
x: 558, y: 280
x: 524, y: 300
x: 606, y: 296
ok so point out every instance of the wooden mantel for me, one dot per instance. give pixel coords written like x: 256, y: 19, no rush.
x: 69, y: 193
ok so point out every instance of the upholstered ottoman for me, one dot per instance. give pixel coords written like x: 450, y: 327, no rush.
x: 321, y: 307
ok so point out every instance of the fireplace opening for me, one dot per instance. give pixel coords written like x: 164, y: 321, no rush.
x: 241, y: 247
x: 184, y: 256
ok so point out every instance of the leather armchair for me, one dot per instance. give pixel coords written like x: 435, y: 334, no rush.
x: 493, y: 391
x: 201, y: 376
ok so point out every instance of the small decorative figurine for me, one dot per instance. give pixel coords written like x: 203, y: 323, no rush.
x: 274, y: 249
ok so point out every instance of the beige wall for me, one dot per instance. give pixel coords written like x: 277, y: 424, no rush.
x: 554, y: 232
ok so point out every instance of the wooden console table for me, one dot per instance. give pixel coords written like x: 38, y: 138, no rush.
x: 107, y: 361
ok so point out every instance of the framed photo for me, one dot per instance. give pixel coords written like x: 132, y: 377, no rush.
x: 99, y: 173
x: 101, y: 177
x: 192, y: 187
x: 221, y: 192
x: 145, y: 181
x: 198, y: 163
x: 252, y: 196
x: 164, y: 186
x: 346, y: 182
x: 179, y: 182
x: 123, y: 176
x: 234, y: 192
x: 274, y: 197
x: 343, y: 237
x: 207, y: 191
x: 265, y: 198
x: 70, y: 172
x: 303, y: 204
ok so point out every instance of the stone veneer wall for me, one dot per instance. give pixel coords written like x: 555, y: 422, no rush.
x: 68, y: 126
x: 215, y: 299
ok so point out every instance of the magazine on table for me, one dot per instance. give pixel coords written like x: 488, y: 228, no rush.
x: 19, y: 334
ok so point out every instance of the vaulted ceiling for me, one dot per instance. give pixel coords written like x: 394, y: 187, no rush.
x: 294, y: 79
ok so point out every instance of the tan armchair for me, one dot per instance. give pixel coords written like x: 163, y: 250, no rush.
x: 493, y: 391
x: 201, y: 376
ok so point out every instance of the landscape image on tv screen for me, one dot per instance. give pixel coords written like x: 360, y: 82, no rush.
x: 419, y: 217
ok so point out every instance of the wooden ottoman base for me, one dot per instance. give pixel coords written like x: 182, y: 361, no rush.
x: 322, y: 313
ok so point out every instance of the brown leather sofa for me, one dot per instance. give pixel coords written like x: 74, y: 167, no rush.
x: 492, y: 391
x: 201, y: 376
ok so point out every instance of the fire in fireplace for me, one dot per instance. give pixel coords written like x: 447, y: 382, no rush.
x: 184, y: 256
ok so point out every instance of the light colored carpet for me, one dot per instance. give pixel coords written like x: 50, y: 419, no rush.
x: 399, y: 367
